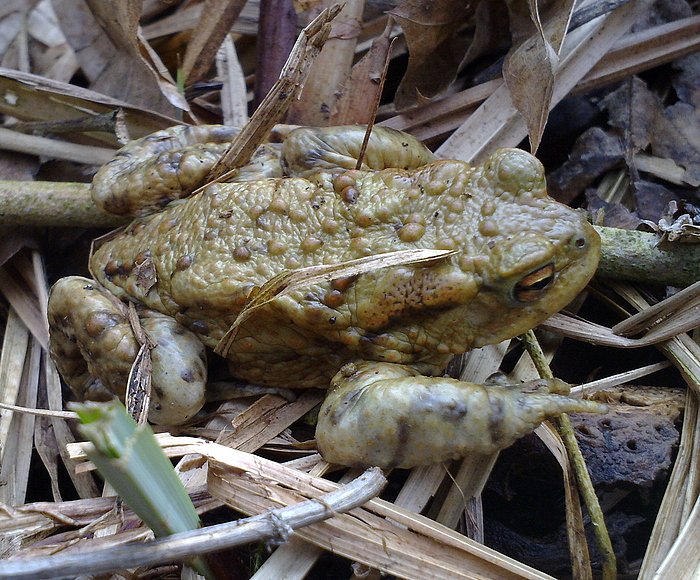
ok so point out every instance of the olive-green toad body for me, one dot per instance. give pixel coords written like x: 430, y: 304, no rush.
x: 517, y: 257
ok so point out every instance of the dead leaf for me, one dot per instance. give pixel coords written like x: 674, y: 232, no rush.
x: 491, y: 33
x: 331, y: 71
x: 358, y: 103
x: 673, y: 132
x: 680, y: 222
x: 113, y: 54
x: 277, y: 32
x: 436, y: 45
x: 677, y: 136
x: 594, y: 153
x: 633, y: 110
x: 687, y: 82
x: 531, y: 65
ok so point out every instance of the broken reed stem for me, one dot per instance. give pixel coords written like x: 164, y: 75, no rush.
x: 377, y: 100
x: 566, y: 432
x: 104, y: 123
x: 283, y: 92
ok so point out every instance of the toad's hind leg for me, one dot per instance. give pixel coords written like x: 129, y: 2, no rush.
x: 148, y: 173
x: 390, y: 416
x: 94, y: 347
x: 309, y: 150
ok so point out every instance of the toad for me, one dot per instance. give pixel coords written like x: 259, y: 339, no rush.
x: 506, y: 256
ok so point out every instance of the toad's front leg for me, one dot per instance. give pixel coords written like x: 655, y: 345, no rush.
x: 391, y: 416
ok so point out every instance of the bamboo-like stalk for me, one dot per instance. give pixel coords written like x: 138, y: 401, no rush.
x: 15, y: 141
x: 566, y: 431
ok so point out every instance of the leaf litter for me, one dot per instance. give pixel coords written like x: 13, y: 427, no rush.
x: 635, y: 162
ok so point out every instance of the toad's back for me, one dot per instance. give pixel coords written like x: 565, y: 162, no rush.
x: 518, y: 257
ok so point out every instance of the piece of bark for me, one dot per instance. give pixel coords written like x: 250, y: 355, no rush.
x: 594, y: 153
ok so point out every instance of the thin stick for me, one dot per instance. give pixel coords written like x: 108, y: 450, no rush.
x: 277, y: 101
x: 39, y: 412
x: 377, y: 99
x: 566, y: 432
x: 275, y: 523
x: 104, y: 122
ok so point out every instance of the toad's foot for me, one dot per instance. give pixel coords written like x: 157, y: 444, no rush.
x: 91, y: 338
x: 390, y: 416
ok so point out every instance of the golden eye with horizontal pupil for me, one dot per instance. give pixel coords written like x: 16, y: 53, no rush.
x: 534, y: 285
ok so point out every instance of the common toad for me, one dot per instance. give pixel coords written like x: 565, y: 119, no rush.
x: 516, y: 256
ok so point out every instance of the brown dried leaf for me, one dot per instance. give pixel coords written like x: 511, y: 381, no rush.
x: 594, y: 153
x: 633, y: 110
x: 673, y: 132
x: 497, y: 124
x: 358, y: 103
x: 435, y: 45
x: 332, y: 69
x: 491, y: 31
x: 532, y: 63
x: 677, y: 136
x: 113, y: 54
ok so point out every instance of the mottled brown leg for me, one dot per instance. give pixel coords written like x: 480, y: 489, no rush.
x: 94, y: 348
x: 391, y: 416
x: 308, y: 150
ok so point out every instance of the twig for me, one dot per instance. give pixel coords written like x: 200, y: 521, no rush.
x: 39, y: 412
x: 104, y: 122
x: 638, y: 257
x: 583, y: 478
x: 47, y: 203
x: 180, y: 546
x: 378, y: 98
x: 16, y: 141
x: 273, y: 107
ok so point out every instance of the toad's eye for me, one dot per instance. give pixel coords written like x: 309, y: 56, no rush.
x: 534, y: 285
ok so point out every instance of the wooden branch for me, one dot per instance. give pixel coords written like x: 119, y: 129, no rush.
x: 35, y: 145
x: 46, y: 203
x: 636, y: 256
